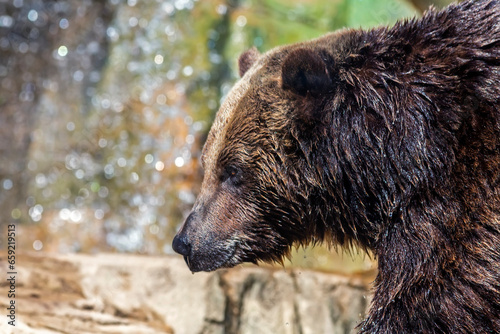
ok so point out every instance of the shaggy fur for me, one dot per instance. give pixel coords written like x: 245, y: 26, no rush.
x: 387, y: 139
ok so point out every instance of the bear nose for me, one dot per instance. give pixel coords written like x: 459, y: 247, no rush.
x: 181, y: 245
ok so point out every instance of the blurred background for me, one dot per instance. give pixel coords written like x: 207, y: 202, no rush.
x: 105, y: 105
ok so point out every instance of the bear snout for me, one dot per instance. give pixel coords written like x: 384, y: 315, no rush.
x: 203, y: 250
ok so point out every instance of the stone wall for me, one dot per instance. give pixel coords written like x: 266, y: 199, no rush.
x: 111, y: 293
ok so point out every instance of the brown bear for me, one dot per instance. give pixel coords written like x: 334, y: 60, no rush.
x: 388, y: 139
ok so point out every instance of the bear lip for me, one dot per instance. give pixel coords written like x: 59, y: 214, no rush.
x: 208, y: 263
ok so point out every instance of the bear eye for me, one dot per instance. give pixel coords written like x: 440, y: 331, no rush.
x: 233, y: 175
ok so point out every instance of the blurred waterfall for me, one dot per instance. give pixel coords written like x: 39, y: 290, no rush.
x: 105, y: 104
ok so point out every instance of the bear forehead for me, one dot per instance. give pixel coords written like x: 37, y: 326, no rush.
x: 267, y: 68
x: 216, y: 137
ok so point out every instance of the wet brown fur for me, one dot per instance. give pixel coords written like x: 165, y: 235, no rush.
x: 387, y: 139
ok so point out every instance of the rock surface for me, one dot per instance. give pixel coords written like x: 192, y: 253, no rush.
x: 112, y: 293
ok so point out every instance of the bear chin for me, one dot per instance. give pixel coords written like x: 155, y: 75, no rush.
x: 210, y: 255
x: 210, y: 262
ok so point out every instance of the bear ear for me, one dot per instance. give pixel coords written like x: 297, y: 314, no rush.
x: 247, y: 59
x: 304, y: 71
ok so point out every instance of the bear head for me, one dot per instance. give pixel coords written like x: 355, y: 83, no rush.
x: 294, y: 153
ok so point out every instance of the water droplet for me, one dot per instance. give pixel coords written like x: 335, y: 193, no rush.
x: 16, y: 213
x: 64, y: 214
x: 102, y: 143
x: 197, y: 126
x: 112, y: 34
x: 159, y: 59
x: 94, y: 186
x: 121, y: 162
x: 221, y: 9
x: 62, y: 51
x: 179, y: 161
x: 18, y: 3
x: 148, y: 158
x: 93, y: 47
x: 118, y: 106
x: 161, y: 99
x: 35, y: 212
x: 105, y: 103
x: 40, y: 180
x: 145, y: 97
x: 78, y: 76
x: 168, y: 8
x: 23, y: 47
x: 103, y: 192
x: 134, y: 177
x: 63, y: 23
x: 187, y: 71
x: 99, y: 214
x: 37, y: 245
x: 181, y: 4
x: 133, y: 21
x: 7, y: 184
x: 241, y: 21
x: 109, y: 170
x: 80, y: 174
x: 154, y: 229
x: 30, y: 201
x: 159, y: 166
x: 171, y: 75
x: 70, y: 126
x: 72, y: 161
x: 187, y: 196
x: 32, y: 15
x: 6, y: 21
x: 75, y: 216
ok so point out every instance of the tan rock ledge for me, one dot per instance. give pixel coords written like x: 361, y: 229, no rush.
x: 114, y: 293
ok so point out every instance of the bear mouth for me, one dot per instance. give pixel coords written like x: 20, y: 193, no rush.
x: 213, y: 259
